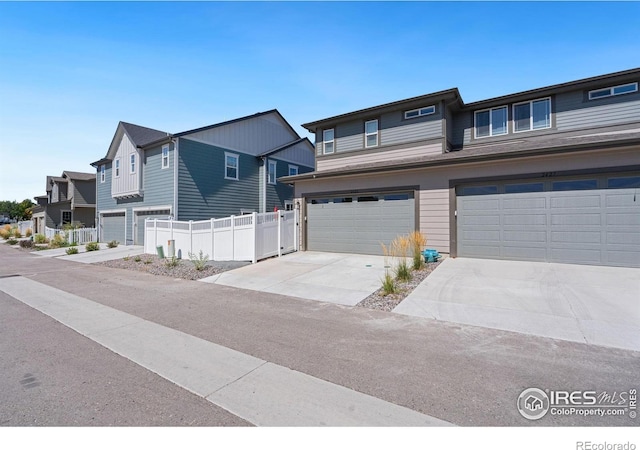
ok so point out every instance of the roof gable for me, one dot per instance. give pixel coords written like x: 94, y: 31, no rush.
x: 138, y: 135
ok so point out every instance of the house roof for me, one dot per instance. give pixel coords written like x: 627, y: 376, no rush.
x: 533, y: 147
x: 413, y: 102
x: 141, y: 136
x: 79, y: 175
x: 285, y: 146
x: 51, y: 179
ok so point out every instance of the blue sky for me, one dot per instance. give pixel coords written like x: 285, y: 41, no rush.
x: 70, y: 71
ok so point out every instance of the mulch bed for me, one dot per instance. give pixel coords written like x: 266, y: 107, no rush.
x: 153, y: 265
x: 382, y: 302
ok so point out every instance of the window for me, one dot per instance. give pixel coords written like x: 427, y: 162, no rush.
x: 102, y: 173
x: 165, y: 156
x: 524, y: 187
x: 319, y: 201
x: 371, y: 133
x: 574, y: 185
x: 132, y: 162
x: 491, y: 122
x: 327, y: 141
x: 288, y: 205
x: 231, y: 166
x: 614, y: 90
x: 532, y: 115
x: 271, y: 176
x: 479, y: 190
x: 293, y: 170
x: 117, y: 169
x: 623, y: 182
x: 66, y: 217
x: 419, y: 112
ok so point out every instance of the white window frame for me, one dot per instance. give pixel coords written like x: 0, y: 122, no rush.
x: 116, y: 168
x: 530, y: 102
x: 103, y: 176
x: 332, y: 140
x: 288, y: 205
x: 132, y: 163
x: 475, y: 122
x: 376, y: 134
x: 226, y: 165
x: 272, y: 170
x: 612, y: 91
x: 165, y: 158
x: 62, y: 222
x: 294, y: 169
x: 419, y: 112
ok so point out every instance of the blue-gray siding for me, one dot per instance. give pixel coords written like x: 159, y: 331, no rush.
x: 203, y: 191
x: 279, y: 192
x: 573, y: 110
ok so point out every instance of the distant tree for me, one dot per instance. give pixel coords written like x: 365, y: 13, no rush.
x: 6, y: 208
x: 23, y: 210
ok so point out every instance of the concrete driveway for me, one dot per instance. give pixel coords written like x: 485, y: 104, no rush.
x: 592, y: 304
x: 340, y: 278
x: 105, y: 253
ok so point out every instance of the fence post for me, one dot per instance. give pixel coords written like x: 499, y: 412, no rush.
x: 296, y: 229
x: 213, y: 237
x: 171, y: 228
x: 254, y: 221
x: 279, y: 233
x: 233, y: 238
x: 191, y: 236
x: 155, y: 235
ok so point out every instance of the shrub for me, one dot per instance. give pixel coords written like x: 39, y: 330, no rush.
x: 417, y: 242
x: 92, y: 247
x: 28, y: 232
x: 199, y: 261
x: 59, y: 240
x: 388, y: 284
x: 40, y: 239
x: 6, y: 232
x: 16, y: 233
x: 147, y: 261
x: 112, y: 244
x: 137, y: 258
x: 12, y: 241
x: 126, y: 258
x: 172, y: 262
x: 400, y: 248
x: 72, y: 251
x: 27, y: 243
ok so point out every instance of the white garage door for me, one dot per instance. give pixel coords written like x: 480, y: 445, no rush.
x: 140, y: 218
x: 358, y: 223
x: 112, y: 227
x: 582, y: 221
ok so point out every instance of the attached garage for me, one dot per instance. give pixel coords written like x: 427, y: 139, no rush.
x: 358, y: 222
x: 141, y: 216
x: 580, y: 220
x: 113, y: 227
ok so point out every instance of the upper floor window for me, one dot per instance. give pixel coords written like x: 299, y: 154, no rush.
x: 419, y: 112
x: 102, y: 173
x: 116, y: 170
x: 272, y: 172
x: 491, y: 122
x: 66, y: 217
x: 165, y: 156
x: 371, y: 133
x: 613, y: 90
x: 327, y: 141
x: 231, y: 169
x: 293, y: 170
x: 132, y: 162
x: 532, y: 115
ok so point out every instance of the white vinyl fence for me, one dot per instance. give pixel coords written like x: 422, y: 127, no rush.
x: 78, y: 235
x: 250, y: 237
x: 24, y: 225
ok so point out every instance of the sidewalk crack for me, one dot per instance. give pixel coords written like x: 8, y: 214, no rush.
x: 236, y: 380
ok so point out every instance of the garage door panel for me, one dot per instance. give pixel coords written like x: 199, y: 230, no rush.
x: 567, y: 201
x: 584, y: 219
x: 524, y: 203
x: 576, y: 237
x: 112, y: 227
x: 520, y: 236
x: 624, y: 238
x: 524, y: 219
x: 525, y: 253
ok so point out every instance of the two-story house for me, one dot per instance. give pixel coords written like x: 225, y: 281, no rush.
x: 229, y: 168
x: 70, y: 199
x: 550, y: 174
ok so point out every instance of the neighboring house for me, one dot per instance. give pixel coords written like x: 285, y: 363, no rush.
x: 550, y: 174
x: 225, y: 169
x: 71, y: 198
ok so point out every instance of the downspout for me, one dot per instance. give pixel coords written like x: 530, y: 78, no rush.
x: 263, y: 187
x: 175, y: 177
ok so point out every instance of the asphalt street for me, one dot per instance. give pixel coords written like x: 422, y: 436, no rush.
x: 460, y: 374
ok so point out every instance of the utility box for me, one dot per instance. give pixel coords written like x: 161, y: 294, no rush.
x: 171, y: 248
x: 431, y: 255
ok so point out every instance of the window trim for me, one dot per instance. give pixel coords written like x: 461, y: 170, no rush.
x: 165, y: 158
x: 475, y: 122
x: 62, y: 222
x: 420, y: 112
x: 530, y: 102
x: 612, y: 91
x: 291, y: 166
x: 272, y: 163
x: 132, y: 164
x: 324, y: 141
x: 377, y: 134
x: 116, y: 168
x: 226, y: 165
x: 103, y: 173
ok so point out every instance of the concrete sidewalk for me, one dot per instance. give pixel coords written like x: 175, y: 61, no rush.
x: 256, y: 390
x: 340, y: 278
x: 104, y: 254
x: 579, y: 303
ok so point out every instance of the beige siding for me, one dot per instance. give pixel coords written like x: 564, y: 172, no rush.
x: 127, y: 183
x: 434, y: 217
x: 370, y: 157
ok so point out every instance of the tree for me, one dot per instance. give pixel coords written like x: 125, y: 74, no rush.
x: 23, y: 210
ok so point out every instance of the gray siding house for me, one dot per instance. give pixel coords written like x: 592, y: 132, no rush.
x: 550, y: 174
x: 70, y: 199
x: 229, y: 168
